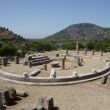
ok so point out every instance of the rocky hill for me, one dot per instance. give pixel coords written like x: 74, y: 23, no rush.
x: 82, y: 31
x: 7, y: 35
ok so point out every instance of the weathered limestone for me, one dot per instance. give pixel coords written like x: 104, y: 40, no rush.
x: 12, y: 92
x: 57, y: 55
x: 92, y: 52
x: 77, y: 47
x: 108, y: 81
x: 35, y: 72
x: 85, y: 51
x: 40, y: 108
x: 75, y: 74
x: 1, y: 104
x: 107, y: 64
x: 45, y: 67
x: 22, y: 93
x: 94, y: 71
x: 53, y: 74
x: 66, y: 51
x: 104, y: 79
x: 54, y: 64
x: 4, y: 61
x: 101, y: 53
x: 30, y: 64
x: 0, y: 60
x: 81, y: 62
x: 16, y: 59
x: 78, y: 61
x: 36, y: 59
x: 63, y: 63
x: 25, y: 74
x: 6, y: 97
x: 46, y: 102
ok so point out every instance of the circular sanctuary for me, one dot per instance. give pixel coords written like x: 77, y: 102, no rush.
x: 55, y: 68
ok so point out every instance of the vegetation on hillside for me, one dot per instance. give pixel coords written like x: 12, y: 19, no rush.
x: 7, y: 35
x: 12, y: 44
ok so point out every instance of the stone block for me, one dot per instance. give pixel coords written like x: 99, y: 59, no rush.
x: 46, y: 102
x: 4, y: 61
x: 6, y: 97
x: 57, y: 55
x: 1, y: 103
x: 12, y: 92
x: 108, y: 81
x: 22, y: 93
x: 94, y: 71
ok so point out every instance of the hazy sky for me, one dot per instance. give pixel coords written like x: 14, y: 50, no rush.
x: 40, y: 18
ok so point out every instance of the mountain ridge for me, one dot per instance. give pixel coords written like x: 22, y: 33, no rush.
x: 82, y: 31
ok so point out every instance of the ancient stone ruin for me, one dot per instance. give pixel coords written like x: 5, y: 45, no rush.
x: 33, y: 60
x: 9, y: 95
x: 44, y: 103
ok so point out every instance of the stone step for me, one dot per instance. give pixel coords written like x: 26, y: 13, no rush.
x: 40, y: 59
x: 40, y: 62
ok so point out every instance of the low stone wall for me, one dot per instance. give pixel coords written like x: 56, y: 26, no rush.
x: 56, y: 81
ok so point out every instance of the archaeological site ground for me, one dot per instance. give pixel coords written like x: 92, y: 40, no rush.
x: 56, y: 80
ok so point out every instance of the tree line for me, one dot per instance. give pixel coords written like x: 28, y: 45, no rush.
x: 7, y: 48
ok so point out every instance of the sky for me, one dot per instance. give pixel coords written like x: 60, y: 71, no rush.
x: 41, y: 18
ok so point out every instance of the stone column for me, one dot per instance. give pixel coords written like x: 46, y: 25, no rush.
x: 4, y: 61
x: 0, y: 61
x: 16, y: 60
x: 101, y: 53
x: 63, y: 63
x: 46, y: 102
x: 45, y: 67
x: 78, y: 61
x: 104, y: 79
x: 1, y: 103
x: 30, y: 64
x: 85, y: 51
x: 77, y: 47
x: 92, y: 52
x: 66, y: 51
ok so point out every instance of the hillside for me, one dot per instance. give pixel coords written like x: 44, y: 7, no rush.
x: 82, y: 31
x: 7, y: 35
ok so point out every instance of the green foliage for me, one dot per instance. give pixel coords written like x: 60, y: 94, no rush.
x: 72, y: 46
x: 99, y: 45
x: 38, y: 46
x: 7, y: 49
x: 69, y: 46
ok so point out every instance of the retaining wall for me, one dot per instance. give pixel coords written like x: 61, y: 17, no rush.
x: 57, y: 81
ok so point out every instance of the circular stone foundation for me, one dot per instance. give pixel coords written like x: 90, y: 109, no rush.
x: 90, y: 70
